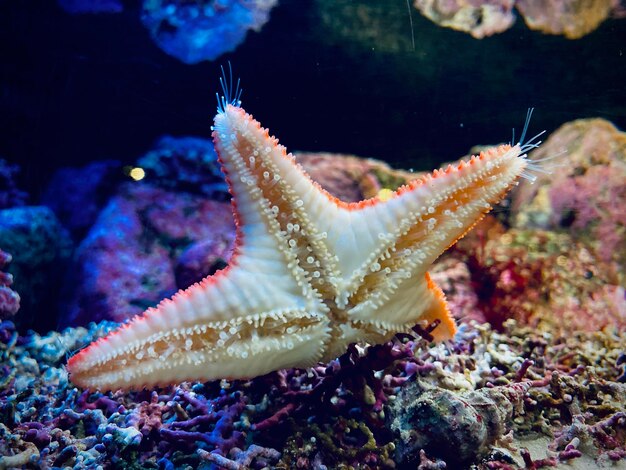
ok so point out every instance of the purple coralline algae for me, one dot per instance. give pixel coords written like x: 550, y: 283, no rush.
x: 203, y: 258
x: 126, y: 263
x: 203, y: 30
x: 9, y: 299
x: 10, y: 195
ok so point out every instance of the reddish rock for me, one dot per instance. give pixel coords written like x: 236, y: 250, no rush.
x: 480, y: 18
x: 351, y: 178
x: 570, y: 18
x: 585, y: 193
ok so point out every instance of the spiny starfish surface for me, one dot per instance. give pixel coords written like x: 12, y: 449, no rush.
x: 309, y: 275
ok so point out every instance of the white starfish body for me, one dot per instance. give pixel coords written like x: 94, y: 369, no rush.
x: 309, y: 274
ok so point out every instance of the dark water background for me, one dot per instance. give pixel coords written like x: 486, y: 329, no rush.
x: 331, y: 75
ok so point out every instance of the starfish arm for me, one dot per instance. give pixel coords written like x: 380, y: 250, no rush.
x: 246, y: 320
x: 421, y: 222
x: 259, y: 314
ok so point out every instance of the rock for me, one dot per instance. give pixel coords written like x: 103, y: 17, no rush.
x: 585, y: 193
x: 203, y: 258
x: 351, y: 178
x: 458, y: 427
x: 76, y: 195
x: 479, y: 18
x: 41, y: 249
x: 571, y: 18
x: 9, y: 299
x: 197, y: 31
x: 129, y: 259
x: 542, y: 279
x: 126, y: 262
x: 185, y: 164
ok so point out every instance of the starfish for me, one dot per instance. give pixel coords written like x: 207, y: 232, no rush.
x: 309, y: 274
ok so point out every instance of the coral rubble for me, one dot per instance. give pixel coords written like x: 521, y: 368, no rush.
x: 523, y: 384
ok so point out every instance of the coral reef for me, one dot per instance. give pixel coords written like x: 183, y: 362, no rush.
x: 10, y: 195
x: 41, y: 249
x: 535, y: 377
x: 9, y: 299
x: 204, y: 30
x: 586, y: 195
x: 521, y: 382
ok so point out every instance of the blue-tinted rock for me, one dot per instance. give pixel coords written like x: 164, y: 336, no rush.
x: 126, y: 263
x: 185, y: 164
x: 40, y: 248
x: 203, y: 30
x: 76, y: 195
